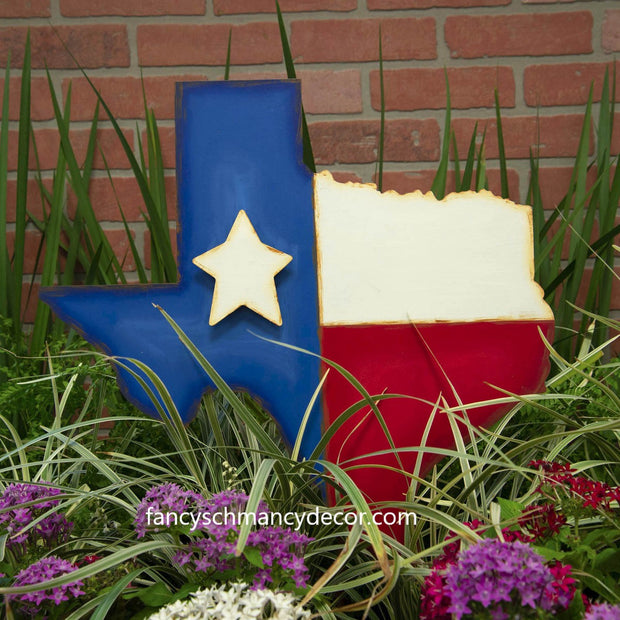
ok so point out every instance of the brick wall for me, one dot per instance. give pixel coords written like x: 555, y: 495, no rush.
x: 540, y: 54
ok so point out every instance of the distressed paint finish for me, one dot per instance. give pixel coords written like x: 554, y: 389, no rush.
x: 238, y: 148
x: 391, y: 258
x: 430, y: 299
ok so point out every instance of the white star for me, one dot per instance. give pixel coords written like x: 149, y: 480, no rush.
x: 244, y: 269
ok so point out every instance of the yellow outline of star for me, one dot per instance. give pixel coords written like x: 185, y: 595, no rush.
x: 244, y: 269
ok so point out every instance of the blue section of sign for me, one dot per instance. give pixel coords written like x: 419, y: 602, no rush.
x: 238, y: 147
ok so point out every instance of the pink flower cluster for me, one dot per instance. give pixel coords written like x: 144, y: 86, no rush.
x: 537, y: 524
x: 591, y: 493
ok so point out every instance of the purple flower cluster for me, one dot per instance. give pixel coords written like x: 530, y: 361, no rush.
x: 502, y: 577
x: 281, y: 553
x: 272, y: 554
x: 53, y: 530
x: 281, y: 549
x: 44, y: 570
x: 165, y: 499
x: 603, y: 611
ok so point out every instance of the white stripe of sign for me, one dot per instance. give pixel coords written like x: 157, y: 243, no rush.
x: 391, y: 258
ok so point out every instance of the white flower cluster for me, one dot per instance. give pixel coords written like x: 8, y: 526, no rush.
x: 234, y: 601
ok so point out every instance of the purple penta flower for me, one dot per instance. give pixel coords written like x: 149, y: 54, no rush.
x: 18, y: 512
x: 603, y: 611
x: 168, y: 506
x: 273, y: 554
x: 30, y: 603
x: 505, y: 578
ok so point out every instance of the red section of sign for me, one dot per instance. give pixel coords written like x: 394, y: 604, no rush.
x: 426, y: 363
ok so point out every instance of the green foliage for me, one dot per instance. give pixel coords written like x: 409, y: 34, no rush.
x: 77, y: 249
x: 234, y: 444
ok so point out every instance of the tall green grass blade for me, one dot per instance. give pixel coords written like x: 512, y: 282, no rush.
x: 601, y: 243
x: 457, y: 164
x: 162, y: 235
x: 470, y: 162
x: 481, y: 165
x: 353, y: 538
x: 7, y: 293
x: 162, y: 257
x: 380, y: 155
x: 290, y: 72
x: 306, y: 417
x: 581, y: 229
x: 258, y: 486
x: 52, y: 240
x: 228, y: 50
x: 601, y: 283
x: 110, y: 270
x: 21, y: 218
x: 101, y: 612
x: 534, y: 198
x: 439, y: 182
x: 354, y: 495
x: 107, y: 563
x: 132, y: 244
x: 503, y: 168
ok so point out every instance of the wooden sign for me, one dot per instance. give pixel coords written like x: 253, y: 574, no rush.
x: 431, y: 299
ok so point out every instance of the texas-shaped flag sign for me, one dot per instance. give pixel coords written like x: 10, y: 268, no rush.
x: 434, y: 300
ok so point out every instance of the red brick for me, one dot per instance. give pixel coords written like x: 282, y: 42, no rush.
x: 104, y: 200
x: 428, y: 4
x: 357, y: 40
x: 555, y: 136
x: 564, y: 84
x: 95, y: 8
x: 231, y: 7
x: 34, y: 201
x: 425, y: 88
x: 412, y: 180
x: 32, y: 243
x: 94, y: 46
x: 346, y: 177
x: 206, y: 44
x: 611, y: 31
x: 41, y: 108
x: 48, y: 140
x: 323, y: 91
x: 30, y: 299
x: 357, y: 141
x: 24, y: 8
x: 535, y: 34
x: 122, y: 249
x: 615, y: 138
x: 124, y: 95
x: 331, y: 92
x: 147, y: 246
x: 422, y: 180
x: 35, y: 249
x: 495, y: 183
